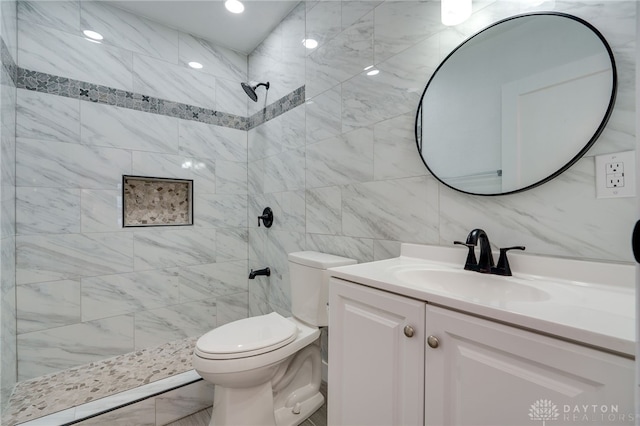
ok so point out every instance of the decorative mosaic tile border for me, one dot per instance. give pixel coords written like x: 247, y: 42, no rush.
x: 76, y: 89
x: 279, y: 107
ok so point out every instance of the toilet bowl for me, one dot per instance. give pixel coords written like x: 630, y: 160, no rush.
x: 267, y: 369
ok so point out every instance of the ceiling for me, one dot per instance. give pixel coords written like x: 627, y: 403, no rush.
x: 210, y: 20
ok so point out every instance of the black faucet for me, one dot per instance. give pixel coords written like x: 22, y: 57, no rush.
x: 265, y: 271
x: 485, y: 263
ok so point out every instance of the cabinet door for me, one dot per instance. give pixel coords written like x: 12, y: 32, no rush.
x: 376, y: 372
x: 485, y: 373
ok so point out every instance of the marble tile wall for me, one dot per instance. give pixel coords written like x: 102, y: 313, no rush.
x: 88, y: 289
x: 350, y: 183
x: 8, y: 55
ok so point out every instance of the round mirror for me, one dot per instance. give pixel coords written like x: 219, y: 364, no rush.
x: 516, y: 104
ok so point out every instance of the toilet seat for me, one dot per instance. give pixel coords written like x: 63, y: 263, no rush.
x: 247, y: 337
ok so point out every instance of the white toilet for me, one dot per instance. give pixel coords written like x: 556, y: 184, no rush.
x: 267, y: 369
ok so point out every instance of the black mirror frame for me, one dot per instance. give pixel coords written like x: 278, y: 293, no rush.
x: 580, y: 154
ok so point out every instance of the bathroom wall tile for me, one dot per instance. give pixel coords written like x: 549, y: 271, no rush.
x: 403, y: 210
x: 110, y: 295
x: 285, y: 171
x: 395, y: 90
x: 61, y: 15
x: 277, y: 248
x: 293, y: 127
x: 43, y: 352
x: 8, y: 211
x: 341, y: 58
x: 101, y: 210
x: 548, y: 231
x: 258, y: 299
x: 47, y: 211
x: 220, y: 210
x: 55, y: 52
x: 255, y: 184
x: 178, y: 403
x: 213, y: 280
x: 257, y: 246
x: 385, y: 249
x: 177, y: 247
x: 189, y: 86
x: 324, y: 115
x: 9, y: 30
x: 265, y: 140
x: 47, y: 117
x: 68, y: 256
x: 131, y: 32
x: 230, y: 97
x: 401, y: 24
x: 216, y: 60
x: 202, y: 140
x: 110, y: 126
x: 288, y: 72
x: 344, y: 159
x: 231, y: 244
x: 360, y: 249
x: 55, y: 164
x: 352, y: 11
x: 290, y: 211
x: 324, y: 210
x: 324, y: 21
x: 41, y: 306
x: 395, y: 154
x: 141, y: 413
x: 162, y: 325
x: 232, y: 308
x: 202, y: 171
x: 231, y: 177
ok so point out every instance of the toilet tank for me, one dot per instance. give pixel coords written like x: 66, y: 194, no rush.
x: 309, y: 281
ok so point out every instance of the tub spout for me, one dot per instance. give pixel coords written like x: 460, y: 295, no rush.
x: 265, y: 271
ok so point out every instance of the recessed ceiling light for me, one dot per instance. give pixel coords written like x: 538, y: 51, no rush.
x: 92, y: 35
x: 368, y: 68
x: 373, y: 72
x: 196, y: 65
x: 310, y: 43
x: 234, y: 6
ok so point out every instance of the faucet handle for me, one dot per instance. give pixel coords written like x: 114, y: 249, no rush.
x: 503, y: 267
x: 471, y: 264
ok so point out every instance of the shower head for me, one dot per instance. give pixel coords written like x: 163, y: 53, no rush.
x: 250, y: 89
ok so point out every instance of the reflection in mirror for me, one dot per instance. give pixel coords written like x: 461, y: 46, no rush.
x: 516, y: 104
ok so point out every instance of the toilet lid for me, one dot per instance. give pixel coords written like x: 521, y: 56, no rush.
x: 247, y: 337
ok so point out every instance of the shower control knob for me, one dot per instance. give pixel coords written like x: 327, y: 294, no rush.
x: 409, y: 331
x: 433, y: 342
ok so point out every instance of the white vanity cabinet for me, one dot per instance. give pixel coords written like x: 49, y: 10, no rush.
x: 486, y: 373
x: 376, y: 371
x: 472, y: 371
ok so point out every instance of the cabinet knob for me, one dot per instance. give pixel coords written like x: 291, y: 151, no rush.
x: 409, y: 331
x: 433, y: 342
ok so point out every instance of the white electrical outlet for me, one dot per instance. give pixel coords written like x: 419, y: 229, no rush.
x: 616, y: 175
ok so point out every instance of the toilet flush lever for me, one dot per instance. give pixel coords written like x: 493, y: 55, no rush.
x: 266, y: 217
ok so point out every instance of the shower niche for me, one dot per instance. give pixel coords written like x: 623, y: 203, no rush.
x: 155, y: 201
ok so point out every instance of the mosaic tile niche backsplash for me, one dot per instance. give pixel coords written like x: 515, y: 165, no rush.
x: 156, y: 201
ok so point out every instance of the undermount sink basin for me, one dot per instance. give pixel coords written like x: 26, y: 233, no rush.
x: 473, y: 285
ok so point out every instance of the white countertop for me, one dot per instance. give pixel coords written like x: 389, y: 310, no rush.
x: 588, y: 302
